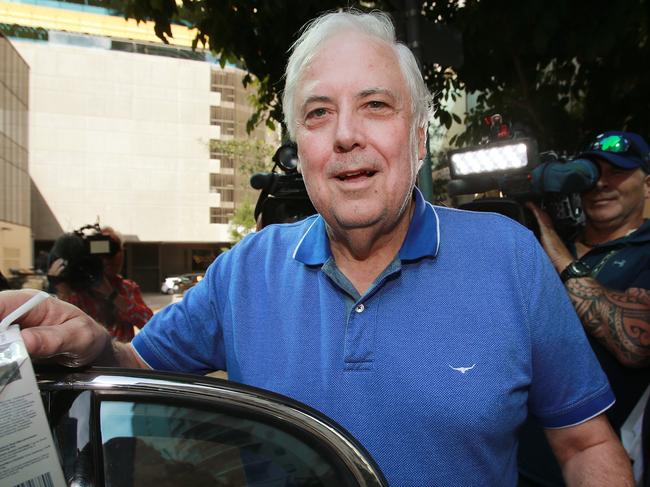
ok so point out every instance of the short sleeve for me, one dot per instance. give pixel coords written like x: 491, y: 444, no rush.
x: 568, y: 385
x: 187, y: 336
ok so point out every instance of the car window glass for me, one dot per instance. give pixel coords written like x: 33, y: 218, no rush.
x: 147, y: 444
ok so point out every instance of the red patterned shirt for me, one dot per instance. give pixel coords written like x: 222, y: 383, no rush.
x: 118, y: 322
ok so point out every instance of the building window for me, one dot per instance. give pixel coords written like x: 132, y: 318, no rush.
x: 220, y: 215
x: 218, y: 182
x: 227, y: 195
x: 227, y: 128
x: 221, y: 114
x: 223, y: 83
x: 227, y: 93
x: 224, y: 118
x: 227, y: 162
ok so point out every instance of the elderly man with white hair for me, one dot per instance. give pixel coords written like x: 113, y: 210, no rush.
x: 429, y: 333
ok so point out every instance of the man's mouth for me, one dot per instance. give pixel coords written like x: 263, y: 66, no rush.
x: 355, y: 175
x: 602, y: 200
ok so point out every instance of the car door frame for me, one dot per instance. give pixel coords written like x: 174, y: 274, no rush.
x: 291, y: 416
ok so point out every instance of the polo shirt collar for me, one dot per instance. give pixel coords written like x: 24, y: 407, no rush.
x: 422, y: 238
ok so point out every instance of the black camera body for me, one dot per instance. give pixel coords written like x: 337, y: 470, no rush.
x: 283, y: 197
x: 544, y: 178
x: 76, y: 257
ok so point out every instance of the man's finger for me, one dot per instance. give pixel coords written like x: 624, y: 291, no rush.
x: 543, y: 218
x: 56, y: 329
x: 71, y: 343
x: 50, y: 312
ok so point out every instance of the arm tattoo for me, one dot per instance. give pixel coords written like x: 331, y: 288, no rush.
x: 618, y: 320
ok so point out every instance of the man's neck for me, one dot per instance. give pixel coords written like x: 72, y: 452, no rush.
x: 362, y: 254
x: 595, y: 234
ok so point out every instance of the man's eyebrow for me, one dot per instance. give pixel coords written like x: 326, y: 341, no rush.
x: 377, y: 91
x: 316, y: 99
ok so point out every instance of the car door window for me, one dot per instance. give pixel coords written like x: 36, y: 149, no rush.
x: 157, y: 445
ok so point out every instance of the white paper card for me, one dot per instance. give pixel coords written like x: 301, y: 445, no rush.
x: 28, y: 457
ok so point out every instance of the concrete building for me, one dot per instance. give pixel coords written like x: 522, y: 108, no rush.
x: 120, y: 131
x: 15, y: 232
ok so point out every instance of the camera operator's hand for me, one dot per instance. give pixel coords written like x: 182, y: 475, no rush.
x: 550, y: 240
x: 61, y: 332
x: 57, y: 267
x: 105, y: 290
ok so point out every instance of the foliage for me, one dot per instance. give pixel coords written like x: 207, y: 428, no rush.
x: 564, y: 70
x: 252, y: 155
x: 243, y: 221
x: 440, y: 192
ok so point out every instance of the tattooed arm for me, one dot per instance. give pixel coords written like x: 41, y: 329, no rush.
x: 620, y: 321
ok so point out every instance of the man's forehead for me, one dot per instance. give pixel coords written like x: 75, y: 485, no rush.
x: 365, y: 66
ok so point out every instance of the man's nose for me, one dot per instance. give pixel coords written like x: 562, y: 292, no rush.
x: 349, y: 132
x: 602, y: 182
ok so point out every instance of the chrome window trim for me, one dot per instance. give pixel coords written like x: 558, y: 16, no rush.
x: 183, y: 387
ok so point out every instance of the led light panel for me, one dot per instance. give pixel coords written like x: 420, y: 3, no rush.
x: 500, y: 158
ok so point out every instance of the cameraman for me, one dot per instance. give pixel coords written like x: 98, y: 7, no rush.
x: 111, y: 300
x: 606, y: 271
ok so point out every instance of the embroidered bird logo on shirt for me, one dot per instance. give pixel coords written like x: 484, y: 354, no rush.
x: 462, y: 370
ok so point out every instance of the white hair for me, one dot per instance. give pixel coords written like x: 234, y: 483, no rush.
x: 374, y: 24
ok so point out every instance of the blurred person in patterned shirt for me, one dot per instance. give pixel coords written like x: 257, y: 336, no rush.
x: 111, y: 300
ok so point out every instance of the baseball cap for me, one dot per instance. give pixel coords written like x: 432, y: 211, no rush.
x: 626, y: 150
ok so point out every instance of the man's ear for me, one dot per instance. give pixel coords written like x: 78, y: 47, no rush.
x: 422, y: 143
x: 298, y: 166
x: 646, y: 186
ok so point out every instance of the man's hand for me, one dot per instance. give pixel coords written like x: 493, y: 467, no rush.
x: 62, y: 332
x: 591, y: 454
x: 550, y: 240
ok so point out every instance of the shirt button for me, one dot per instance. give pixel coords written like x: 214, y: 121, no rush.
x: 359, y: 308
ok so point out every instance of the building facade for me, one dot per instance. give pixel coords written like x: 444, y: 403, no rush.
x: 15, y: 231
x: 120, y: 133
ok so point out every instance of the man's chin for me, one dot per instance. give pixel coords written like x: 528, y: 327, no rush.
x: 356, y: 222
x: 604, y: 218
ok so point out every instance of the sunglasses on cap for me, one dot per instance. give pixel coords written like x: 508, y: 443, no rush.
x: 616, y: 144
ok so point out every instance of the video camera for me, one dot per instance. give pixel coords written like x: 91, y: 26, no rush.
x: 283, y: 197
x: 511, y: 164
x: 75, y: 257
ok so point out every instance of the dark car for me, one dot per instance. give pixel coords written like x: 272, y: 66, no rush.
x: 116, y: 427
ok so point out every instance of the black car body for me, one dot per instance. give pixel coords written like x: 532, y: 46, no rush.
x: 116, y: 427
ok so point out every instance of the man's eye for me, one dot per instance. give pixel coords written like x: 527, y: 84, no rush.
x: 375, y: 104
x: 317, y: 113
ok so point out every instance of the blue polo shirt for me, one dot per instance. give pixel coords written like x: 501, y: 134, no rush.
x: 433, y: 369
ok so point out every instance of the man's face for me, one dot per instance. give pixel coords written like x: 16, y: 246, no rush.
x: 353, y: 117
x: 113, y: 264
x: 618, y: 198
